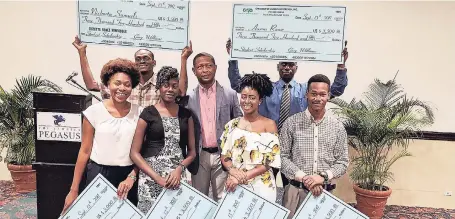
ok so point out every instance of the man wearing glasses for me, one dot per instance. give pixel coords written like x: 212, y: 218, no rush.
x: 288, y: 97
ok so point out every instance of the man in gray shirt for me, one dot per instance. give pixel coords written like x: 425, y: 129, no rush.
x: 314, y: 147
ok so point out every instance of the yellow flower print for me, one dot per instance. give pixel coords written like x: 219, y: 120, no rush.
x: 275, y: 149
x: 240, y: 143
x: 266, y: 178
x: 268, y: 158
x: 254, y: 155
x: 228, y: 154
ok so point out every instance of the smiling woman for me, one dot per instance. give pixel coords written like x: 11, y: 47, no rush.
x: 107, y: 131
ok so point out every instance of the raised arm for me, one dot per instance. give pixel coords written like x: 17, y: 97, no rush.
x: 341, y: 79
x: 183, y: 82
x: 233, y: 70
x: 87, y: 75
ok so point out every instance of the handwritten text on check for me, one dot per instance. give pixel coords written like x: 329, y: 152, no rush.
x: 300, y: 33
x: 138, y: 23
x: 326, y: 205
x: 99, y: 200
x: 183, y: 203
x: 245, y: 204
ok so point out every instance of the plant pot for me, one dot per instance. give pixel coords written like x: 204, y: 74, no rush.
x: 24, y: 177
x: 370, y: 202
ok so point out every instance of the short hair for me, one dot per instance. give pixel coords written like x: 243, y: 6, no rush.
x: 318, y: 78
x: 151, y: 53
x: 259, y: 82
x: 120, y: 65
x: 203, y: 54
x: 165, y: 74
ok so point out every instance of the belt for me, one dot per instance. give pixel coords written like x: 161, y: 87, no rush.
x: 328, y: 187
x: 211, y: 149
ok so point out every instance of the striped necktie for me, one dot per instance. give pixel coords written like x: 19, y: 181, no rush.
x: 285, y: 106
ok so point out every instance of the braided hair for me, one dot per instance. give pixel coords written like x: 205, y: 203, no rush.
x: 165, y: 74
x: 259, y: 82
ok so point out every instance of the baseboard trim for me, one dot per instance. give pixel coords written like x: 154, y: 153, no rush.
x: 429, y: 135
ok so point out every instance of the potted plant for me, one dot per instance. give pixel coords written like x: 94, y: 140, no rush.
x: 386, y: 118
x: 17, y: 129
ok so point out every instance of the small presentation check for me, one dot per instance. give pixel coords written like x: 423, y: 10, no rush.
x: 245, y: 204
x: 326, y: 206
x: 294, y: 33
x: 135, y: 23
x: 182, y: 203
x: 99, y: 200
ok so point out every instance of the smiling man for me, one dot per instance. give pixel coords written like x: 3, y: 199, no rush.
x: 145, y: 93
x: 288, y: 97
x: 314, y: 147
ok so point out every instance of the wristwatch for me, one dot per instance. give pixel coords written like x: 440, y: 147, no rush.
x: 324, y: 175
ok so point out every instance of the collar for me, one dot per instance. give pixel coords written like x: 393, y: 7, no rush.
x: 151, y: 81
x: 281, y: 83
x: 210, y: 89
x: 308, y: 114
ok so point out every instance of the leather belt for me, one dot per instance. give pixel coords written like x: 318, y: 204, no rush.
x: 211, y: 149
x: 328, y: 187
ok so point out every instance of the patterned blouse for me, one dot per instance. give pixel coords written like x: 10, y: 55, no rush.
x: 249, y: 149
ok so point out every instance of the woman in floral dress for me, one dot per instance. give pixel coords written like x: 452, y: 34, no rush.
x: 168, y: 147
x: 250, y: 145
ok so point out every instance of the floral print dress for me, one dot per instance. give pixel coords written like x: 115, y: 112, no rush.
x: 249, y: 149
x: 164, y: 163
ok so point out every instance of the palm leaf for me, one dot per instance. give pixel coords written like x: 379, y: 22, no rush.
x: 16, y: 118
x: 385, y: 118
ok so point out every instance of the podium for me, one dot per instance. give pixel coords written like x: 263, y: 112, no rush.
x: 58, y: 133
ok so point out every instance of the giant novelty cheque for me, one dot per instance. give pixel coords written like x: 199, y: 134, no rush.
x: 134, y: 23
x: 183, y: 203
x: 100, y: 200
x: 326, y: 205
x: 243, y: 203
x: 288, y: 32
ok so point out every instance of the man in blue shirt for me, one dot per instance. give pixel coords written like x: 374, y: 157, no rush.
x: 288, y: 97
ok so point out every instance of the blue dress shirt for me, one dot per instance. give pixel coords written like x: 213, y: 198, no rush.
x: 270, y: 106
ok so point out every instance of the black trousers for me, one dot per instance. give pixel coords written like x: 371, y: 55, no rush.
x: 283, y: 177
x: 114, y: 174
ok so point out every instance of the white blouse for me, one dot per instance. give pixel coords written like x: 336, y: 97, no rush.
x: 113, y: 136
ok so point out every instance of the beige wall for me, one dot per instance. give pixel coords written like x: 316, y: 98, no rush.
x: 413, y: 37
x: 420, y: 180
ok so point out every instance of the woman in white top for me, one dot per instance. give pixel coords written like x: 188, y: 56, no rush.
x: 107, y: 132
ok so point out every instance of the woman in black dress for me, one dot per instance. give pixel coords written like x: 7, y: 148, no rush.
x: 163, y: 145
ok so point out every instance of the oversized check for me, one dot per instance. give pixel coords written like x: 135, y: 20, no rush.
x: 298, y: 33
x: 99, y: 200
x: 135, y: 23
x: 245, y: 204
x: 183, y: 203
x: 326, y: 205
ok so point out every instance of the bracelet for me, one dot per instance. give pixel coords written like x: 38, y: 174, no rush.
x: 183, y: 166
x: 132, y: 177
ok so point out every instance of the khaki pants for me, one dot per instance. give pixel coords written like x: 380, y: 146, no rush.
x: 210, y: 173
x: 293, y: 198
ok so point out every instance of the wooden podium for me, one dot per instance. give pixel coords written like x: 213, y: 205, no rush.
x: 58, y: 133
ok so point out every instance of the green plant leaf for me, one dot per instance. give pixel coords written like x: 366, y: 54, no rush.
x: 383, y: 121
